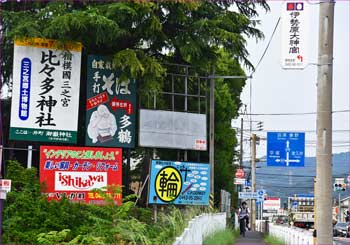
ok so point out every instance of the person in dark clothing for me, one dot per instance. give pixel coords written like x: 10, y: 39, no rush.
x: 244, y: 213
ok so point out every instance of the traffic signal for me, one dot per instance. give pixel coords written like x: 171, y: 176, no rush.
x: 260, y: 126
x: 339, y: 187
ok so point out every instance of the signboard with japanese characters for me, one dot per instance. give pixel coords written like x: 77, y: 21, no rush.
x: 295, y: 22
x: 110, y: 106
x: 46, y: 81
x: 184, y: 183
x: 76, y: 173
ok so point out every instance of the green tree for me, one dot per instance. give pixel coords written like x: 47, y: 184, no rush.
x: 142, y: 36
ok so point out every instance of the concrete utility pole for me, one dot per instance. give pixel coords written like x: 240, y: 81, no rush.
x: 253, y: 180
x: 211, y: 132
x: 324, y: 124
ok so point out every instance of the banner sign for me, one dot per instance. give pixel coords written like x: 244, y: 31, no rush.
x: 294, y: 34
x: 179, y: 183
x: 46, y: 81
x: 110, y: 106
x: 75, y: 172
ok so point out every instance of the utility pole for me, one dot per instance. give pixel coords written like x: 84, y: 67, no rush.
x: 241, y: 146
x: 239, y: 187
x: 211, y: 135
x: 324, y: 124
x: 253, y: 166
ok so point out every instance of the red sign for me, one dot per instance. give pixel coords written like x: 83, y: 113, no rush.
x: 116, y: 104
x: 97, y: 100
x: 76, y: 172
x: 239, y: 173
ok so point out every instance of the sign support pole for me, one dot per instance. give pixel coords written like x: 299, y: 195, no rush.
x: 324, y: 124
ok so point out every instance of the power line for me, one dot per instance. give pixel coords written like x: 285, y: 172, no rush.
x: 267, y: 46
x: 292, y: 113
x: 296, y: 175
x: 286, y: 187
x: 304, y: 131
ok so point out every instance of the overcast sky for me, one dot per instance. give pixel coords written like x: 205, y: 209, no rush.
x: 275, y: 90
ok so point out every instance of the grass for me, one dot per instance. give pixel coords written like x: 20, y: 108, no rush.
x: 227, y: 236
x: 268, y: 239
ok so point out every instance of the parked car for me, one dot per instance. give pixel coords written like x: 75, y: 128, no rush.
x: 342, y: 229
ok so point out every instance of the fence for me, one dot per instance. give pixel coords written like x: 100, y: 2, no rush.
x: 291, y: 235
x: 200, y: 227
x: 262, y: 226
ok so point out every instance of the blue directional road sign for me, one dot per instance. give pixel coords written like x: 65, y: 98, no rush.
x: 285, y: 149
x: 260, y: 195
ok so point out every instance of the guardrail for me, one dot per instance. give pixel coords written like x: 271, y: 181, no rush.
x: 200, y: 227
x: 291, y: 235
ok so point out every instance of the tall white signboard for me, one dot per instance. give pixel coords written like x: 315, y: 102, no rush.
x: 294, y: 34
x: 45, y: 98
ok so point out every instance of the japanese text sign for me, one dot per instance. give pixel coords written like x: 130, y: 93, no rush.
x: 179, y: 183
x: 285, y: 149
x: 46, y: 81
x: 110, y: 106
x: 75, y: 172
x: 5, y: 185
x: 295, y: 22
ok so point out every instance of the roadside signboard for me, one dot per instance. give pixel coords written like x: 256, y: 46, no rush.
x: 110, y: 106
x: 294, y: 53
x: 285, y: 149
x: 185, y: 183
x: 5, y: 185
x: 75, y: 172
x: 272, y: 203
x: 247, y: 195
x: 172, y: 129
x: 46, y: 84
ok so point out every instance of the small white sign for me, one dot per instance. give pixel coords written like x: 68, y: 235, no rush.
x: 5, y: 185
x: 239, y: 181
x: 294, y: 34
x: 3, y: 195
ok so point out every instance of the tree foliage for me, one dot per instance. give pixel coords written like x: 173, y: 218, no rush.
x: 143, y: 36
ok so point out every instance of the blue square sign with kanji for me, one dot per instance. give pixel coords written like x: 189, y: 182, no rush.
x: 285, y: 149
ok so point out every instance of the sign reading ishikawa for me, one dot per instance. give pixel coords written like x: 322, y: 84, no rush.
x: 75, y: 172
x: 179, y: 183
x: 285, y: 149
x: 110, y: 106
x: 294, y: 34
x: 45, y: 97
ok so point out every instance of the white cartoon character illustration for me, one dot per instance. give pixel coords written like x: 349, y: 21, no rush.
x: 102, y: 125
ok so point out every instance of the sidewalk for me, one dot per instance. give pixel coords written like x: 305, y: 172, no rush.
x: 251, y: 237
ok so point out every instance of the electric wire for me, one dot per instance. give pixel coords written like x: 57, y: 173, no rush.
x: 267, y: 46
x: 292, y: 113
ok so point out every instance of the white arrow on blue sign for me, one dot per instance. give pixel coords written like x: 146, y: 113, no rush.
x: 285, y: 149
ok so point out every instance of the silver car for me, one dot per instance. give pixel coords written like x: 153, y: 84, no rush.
x: 342, y: 229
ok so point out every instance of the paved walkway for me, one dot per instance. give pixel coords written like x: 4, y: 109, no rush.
x: 251, y: 237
